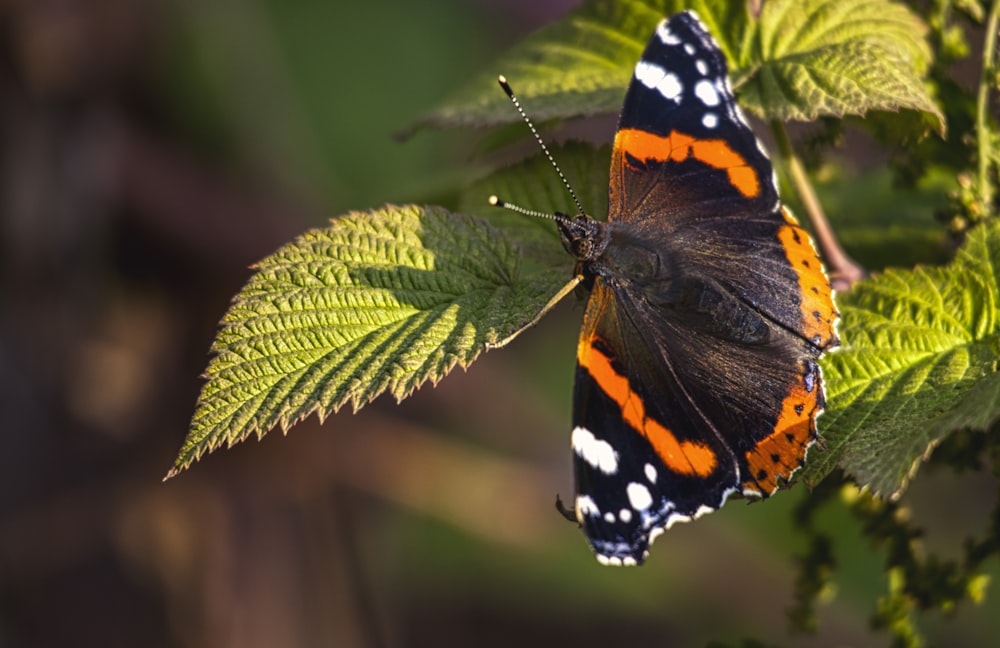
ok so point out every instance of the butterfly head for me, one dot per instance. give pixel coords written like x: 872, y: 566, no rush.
x: 582, y: 236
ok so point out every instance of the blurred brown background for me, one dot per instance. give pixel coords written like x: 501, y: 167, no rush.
x: 150, y: 151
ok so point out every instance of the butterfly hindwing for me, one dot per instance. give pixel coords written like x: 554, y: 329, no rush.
x: 636, y: 471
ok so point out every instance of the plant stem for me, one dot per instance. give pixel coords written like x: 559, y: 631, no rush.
x: 983, y: 139
x: 844, y: 271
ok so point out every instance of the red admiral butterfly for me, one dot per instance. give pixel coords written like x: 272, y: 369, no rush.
x: 696, y: 369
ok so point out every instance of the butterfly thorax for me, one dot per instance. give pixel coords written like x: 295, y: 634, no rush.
x: 616, y: 252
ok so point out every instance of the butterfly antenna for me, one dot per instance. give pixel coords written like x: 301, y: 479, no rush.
x: 497, y: 202
x: 538, y: 138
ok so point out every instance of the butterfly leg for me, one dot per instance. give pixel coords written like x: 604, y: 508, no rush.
x: 568, y: 512
x: 565, y: 290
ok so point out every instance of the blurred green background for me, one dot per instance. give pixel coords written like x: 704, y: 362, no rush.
x: 150, y: 151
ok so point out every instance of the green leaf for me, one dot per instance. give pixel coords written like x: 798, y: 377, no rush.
x: 919, y: 361
x: 837, y: 57
x: 378, y: 302
x: 801, y: 60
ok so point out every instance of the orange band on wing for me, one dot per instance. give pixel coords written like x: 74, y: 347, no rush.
x: 778, y: 455
x: 684, y: 457
x: 678, y: 147
x: 818, y: 310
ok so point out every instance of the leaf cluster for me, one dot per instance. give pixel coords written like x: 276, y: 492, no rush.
x: 917, y: 581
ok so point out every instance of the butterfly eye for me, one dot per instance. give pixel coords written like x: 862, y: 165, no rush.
x: 582, y: 248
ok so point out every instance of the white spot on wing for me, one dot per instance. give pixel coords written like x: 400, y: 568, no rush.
x: 710, y: 120
x: 638, y: 496
x: 649, y: 74
x: 597, y: 452
x: 656, y: 78
x: 702, y: 67
x: 609, y: 517
x: 650, y: 471
x: 625, y: 515
x: 706, y: 91
x: 702, y: 510
x: 689, y: 48
x: 666, y: 36
x: 585, y: 505
x: 671, y: 86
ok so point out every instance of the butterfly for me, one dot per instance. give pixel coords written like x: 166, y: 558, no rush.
x: 708, y: 308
